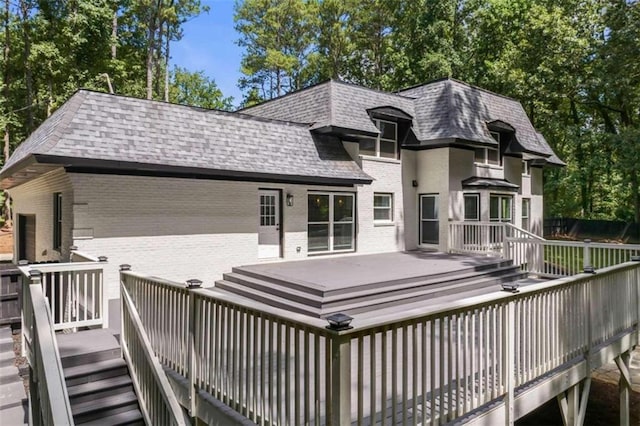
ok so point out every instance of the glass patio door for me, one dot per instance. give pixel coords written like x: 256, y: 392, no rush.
x: 429, y: 224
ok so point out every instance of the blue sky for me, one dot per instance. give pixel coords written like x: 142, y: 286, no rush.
x: 209, y: 45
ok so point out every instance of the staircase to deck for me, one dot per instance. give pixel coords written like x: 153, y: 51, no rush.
x: 98, y: 383
x: 424, y: 288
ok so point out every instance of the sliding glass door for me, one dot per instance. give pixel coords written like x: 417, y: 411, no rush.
x: 331, y: 222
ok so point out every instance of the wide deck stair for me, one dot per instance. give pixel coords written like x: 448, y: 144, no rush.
x: 420, y: 290
x: 98, y: 382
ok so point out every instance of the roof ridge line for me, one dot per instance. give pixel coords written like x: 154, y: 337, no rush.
x: 384, y: 92
x: 203, y: 110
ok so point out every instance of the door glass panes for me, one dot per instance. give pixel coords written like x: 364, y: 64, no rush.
x: 330, y: 222
x: 267, y: 210
x: 500, y: 208
x: 429, y: 229
x: 343, y: 208
x: 318, y: 208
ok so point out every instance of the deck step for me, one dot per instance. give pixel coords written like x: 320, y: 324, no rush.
x: 99, y: 389
x: 87, y: 347
x: 93, y: 372
x: 131, y: 417
x: 104, y: 407
x: 275, y: 291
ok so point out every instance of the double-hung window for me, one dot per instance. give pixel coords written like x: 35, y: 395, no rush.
x: 331, y: 220
x: 382, y: 207
x: 57, y: 220
x: 525, y: 168
x: 489, y: 155
x: 385, y: 145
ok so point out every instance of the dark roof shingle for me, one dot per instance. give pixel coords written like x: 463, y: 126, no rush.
x: 100, y: 126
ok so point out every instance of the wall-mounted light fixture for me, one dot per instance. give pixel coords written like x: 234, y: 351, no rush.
x: 414, y: 183
x: 290, y: 200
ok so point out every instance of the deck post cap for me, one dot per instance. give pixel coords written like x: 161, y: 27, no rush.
x: 72, y: 248
x: 635, y: 258
x: 194, y: 283
x: 589, y: 270
x: 23, y: 262
x: 587, y: 240
x: 125, y: 267
x: 34, y: 273
x: 102, y: 258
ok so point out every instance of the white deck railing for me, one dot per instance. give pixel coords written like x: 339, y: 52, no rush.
x: 476, y: 237
x: 48, y: 393
x: 552, y: 258
x: 75, y: 292
x: 424, y: 366
x: 157, y: 401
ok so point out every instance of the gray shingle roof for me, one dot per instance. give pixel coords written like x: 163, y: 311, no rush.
x: 333, y: 103
x: 443, y: 109
x: 452, y: 109
x: 105, y: 127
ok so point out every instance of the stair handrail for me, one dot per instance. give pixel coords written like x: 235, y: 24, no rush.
x: 524, y: 233
x: 158, y: 402
x: 49, y: 400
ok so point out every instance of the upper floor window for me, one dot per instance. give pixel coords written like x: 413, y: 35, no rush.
x: 57, y: 220
x: 526, y: 171
x: 489, y: 155
x: 386, y: 144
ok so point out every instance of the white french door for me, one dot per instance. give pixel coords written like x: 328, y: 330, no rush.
x: 269, y: 225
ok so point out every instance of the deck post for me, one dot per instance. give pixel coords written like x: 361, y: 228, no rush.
x: 624, y: 385
x: 192, y: 285
x: 123, y: 268
x: 586, y: 255
x: 509, y: 361
x: 340, y: 379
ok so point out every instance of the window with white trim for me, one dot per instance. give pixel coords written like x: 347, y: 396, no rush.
x: 331, y: 220
x: 526, y: 213
x: 382, y: 207
x: 526, y: 171
x: 471, y: 207
x: 386, y: 144
x: 489, y: 155
x: 500, y: 208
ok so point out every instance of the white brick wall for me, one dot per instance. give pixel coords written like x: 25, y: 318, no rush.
x: 381, y: 237
x: 36, y: 198
x: 179, y: 228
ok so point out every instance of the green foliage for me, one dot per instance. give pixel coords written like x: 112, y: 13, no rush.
x: 572, y: 63
x: 196, y: 89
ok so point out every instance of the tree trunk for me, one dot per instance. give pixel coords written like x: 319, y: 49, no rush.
x: 7, y: 81
x: 114, y: 32
x: 151, y: 51
x: 166, y: 63
x: 24, y: 8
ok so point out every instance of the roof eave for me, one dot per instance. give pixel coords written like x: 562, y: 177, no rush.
x: 98, y: 166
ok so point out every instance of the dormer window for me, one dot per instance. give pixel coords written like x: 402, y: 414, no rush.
x: 386, y: 144
x: 489, y: 155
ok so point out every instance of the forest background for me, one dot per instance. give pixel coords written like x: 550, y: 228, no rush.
x: 574, y: 65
